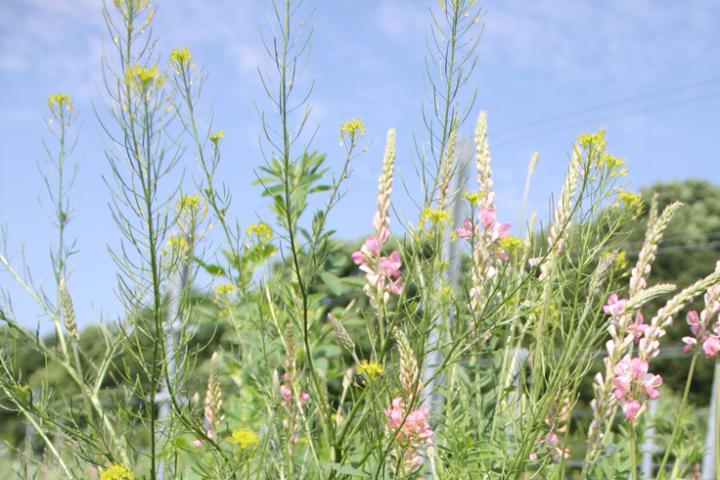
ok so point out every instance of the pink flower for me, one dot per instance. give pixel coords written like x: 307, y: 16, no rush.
x: 466, y: 230
x: 390, y: 266
x: 285, y: 393
x: 638, y: 328
x: 487, y: 217
x: 416, y: 428
x: 693, y: 319
x: 614, y: 305
x: 631, y: 409
x: 633, y: 384
x: 711, y: 345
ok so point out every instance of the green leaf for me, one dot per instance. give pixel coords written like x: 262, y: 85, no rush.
x: 333, y: 282
x: 214, y: 270
x: 345, y: 470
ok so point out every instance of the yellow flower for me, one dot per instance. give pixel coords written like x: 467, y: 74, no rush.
x: 142, y: 78
x: 593, y: 141
x: 178, y: 243
x: 631, y: 201
x: 260, y: 231
x: 474, y: 197
x: 180, y: 58
x: 224, y: 289
x: 217, y: 136
x: 116, y: 471
x: 188, y: 202
x: 244, y: 438
x: 511, y: 244
x: 371, y: 369
x: 434, y: 216
x: 59, y: 100
x: 352, y: 129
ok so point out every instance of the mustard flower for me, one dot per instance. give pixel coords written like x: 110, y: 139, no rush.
x: 244, y: 438
x: 180, y: 58
x: 58, y: 101
x: 224, y: 290
x: 216, y: 137
x: 260, y: 232
x: 141, y: 79
x: 433, y: 216
x: 116, y: 471
x: 352, y: 129
x: 371, y: 369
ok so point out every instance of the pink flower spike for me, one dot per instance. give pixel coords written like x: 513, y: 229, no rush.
x: 304, y: 397
x: 631, y: 409
x: 614, y: 305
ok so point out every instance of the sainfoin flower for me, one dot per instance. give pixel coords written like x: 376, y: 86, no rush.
x: 412, y: 430
x: 633, y: 385
x: 614, y: 305
x: 286, y: 394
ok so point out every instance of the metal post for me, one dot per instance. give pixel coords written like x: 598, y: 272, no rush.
x: 708, y: 464
x: 432, y: 396
x: 173, y: 323
x: 648, y: 447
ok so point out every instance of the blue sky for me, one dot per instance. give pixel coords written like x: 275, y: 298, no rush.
x: 648, y: 71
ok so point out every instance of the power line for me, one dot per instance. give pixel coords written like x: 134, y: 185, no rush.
x: 604, y: 106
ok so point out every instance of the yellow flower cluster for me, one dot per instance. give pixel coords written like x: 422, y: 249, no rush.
x: 593, y: 141
x: 260, y: 232
x: 224, y: 289
x: 511, y: 244
x: 217, y: 136
x: 244, y: 438
x: 142, y: 78
x: 371, y: 369
x: 180, y: 58
x: 434, y: 216
x: 58, y: 101
x: 188, y: 202
x: 352, y: 129
x: 116, y: 471
x: 474, y: 197
x: 630, y: 201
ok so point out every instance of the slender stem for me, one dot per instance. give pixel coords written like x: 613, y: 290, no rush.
x: 676, y: 428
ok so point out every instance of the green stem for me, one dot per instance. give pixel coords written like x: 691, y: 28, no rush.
x: 676, y: 428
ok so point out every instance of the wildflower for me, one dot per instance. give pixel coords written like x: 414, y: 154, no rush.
x: 371, y: 369
x: 352, y: 129
x: 260, y: 232
x: 141, y: 79
x: 224, y: 289
x: 474, y: 197
x: 614, y: 305
x: 216, y: 137
x: 180, y: 58
x: 116, y: 471
x: 188, y: 202
x: 412, y: 430
x: 633, y: 385
x: 436, y: 217
x: 509, y: 244
x: 638, y: 328
x: 286, y: 394
x: 58, y: 101
x: 244, y: 438
x: 466, y: 230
